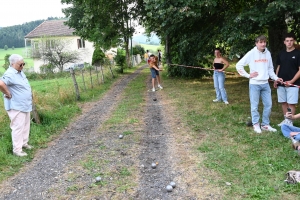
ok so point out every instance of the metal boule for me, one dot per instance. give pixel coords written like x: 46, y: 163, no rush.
x: 121, y: 136
x: 173, y: 184
x: 169, y: 188
x: 153, y: 165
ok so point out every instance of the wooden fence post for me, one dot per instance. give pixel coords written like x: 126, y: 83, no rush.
x: 97, y: 75
x: 83, y: 80
x: 34, y: 112
x: 111, y: 71
x: 75, y: 84
x: 91, y: 77
x: 102, y: 75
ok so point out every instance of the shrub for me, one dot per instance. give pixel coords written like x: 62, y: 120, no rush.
x: 120, y: 59
x: 6, y: 62
x: 98, y: 57
x: 5, y: 47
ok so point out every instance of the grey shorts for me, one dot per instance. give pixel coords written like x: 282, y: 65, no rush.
x: 288, y: 94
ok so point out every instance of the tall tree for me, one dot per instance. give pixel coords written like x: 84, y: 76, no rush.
x: 106, y: 23
x: 190, y: 29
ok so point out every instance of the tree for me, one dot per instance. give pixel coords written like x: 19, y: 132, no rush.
x: 191, y: 29
x: 98, y: 57
x: 106, y: 23
x: 55, y: 51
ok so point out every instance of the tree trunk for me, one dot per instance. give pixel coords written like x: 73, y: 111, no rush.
x: 276, y: 34
x: 167, y: 50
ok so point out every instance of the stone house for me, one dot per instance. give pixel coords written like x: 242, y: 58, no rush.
x: 58, y: 30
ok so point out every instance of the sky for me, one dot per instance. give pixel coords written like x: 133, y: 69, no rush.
x: 16, y: 12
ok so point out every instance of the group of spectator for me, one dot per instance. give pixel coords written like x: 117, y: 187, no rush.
x: 286, y: 80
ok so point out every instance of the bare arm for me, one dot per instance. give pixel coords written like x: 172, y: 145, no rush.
x: 226, y: 64
x: 4, y: 90
x: 296, y: 77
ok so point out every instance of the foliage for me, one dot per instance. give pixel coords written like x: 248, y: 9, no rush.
x: 13, y: 48
x: 138, y: 49
x: 106, y: 23
x: 56, y: 52
x: 14, y: 35
x: 98, y: 57
x: 47, y: 68
x: 6, y: 60
x: 227, y: 24
x: 120, y: 59
x: 5, y: 47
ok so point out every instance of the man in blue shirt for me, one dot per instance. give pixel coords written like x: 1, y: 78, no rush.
x: 17, y: 102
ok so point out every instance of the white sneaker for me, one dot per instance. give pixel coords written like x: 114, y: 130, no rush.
x: 153, y: 89
x: 226, y: 102
x: 256, y: 128
x: 287, y: 122
x: 216, y: 100
x: 20, y: 154
x: 268, y: 128
x: 160, y: 87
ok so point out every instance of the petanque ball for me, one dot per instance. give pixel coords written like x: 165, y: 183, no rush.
x: 173, y: 184
x: 121, y: 136
x: 154, y: 99
x: 153, y: 165
x: 169, y: 188
x: 98, y: 179
x: 249, y: 123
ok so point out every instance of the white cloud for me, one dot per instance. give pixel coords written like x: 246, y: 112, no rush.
x: 15, y: 12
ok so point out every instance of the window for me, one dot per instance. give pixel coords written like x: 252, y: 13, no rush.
x: 80, y: 43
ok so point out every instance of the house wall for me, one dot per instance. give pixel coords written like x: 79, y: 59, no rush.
x: 86, y: 53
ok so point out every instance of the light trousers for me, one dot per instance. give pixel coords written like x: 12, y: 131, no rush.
x: 20, y: 126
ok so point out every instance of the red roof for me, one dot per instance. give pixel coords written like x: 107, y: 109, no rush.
x: 51, y: 28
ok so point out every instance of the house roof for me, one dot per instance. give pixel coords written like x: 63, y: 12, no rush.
x: 51, y: 28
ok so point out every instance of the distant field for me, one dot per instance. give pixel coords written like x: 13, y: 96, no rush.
x: 153, y: 48
x: 20, y: 51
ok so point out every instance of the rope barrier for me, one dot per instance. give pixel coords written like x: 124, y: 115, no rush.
x: 231, y: 73
x: 207, y: 69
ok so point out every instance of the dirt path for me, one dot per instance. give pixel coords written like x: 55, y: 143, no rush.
x: 57, y: 172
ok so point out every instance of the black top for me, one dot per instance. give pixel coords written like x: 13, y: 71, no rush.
x: 289, y: 65
x: 218, y: 65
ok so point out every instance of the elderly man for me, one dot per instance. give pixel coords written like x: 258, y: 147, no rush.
x: 17, y: 103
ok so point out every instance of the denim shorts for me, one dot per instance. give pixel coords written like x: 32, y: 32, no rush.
x: 154, y: 72
x: 288, y: 94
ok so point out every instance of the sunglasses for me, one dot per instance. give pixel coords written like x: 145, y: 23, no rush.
x: 21, y: 65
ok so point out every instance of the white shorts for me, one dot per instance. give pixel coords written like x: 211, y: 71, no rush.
x: 287, y: 94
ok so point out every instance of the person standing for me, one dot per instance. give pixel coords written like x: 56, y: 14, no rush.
x: 18, y: 103
x: 288, y: 68
x: 261, y: 69
x: 146, y: 56
x: 220, y: 64
x: 154, y: 72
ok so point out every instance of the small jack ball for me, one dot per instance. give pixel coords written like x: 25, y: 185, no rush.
x: 169, y: 188
x: 121, y: 136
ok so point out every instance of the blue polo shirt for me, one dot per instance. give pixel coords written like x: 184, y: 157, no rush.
x: 20, y: 90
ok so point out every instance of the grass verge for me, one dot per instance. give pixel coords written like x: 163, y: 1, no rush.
x: 254, y: 164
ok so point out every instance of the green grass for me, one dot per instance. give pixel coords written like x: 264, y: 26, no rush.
x: 255, y: 164
x: 152, y: 48
x: 20, y: 51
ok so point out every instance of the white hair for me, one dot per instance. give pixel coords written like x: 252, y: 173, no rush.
x: 14, y: 58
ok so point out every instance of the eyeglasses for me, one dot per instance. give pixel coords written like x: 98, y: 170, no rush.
x: 21, y: 65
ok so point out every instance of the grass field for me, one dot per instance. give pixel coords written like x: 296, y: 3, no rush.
x: 20, y: 51
x: 254, y: 164
x: 153, y: 48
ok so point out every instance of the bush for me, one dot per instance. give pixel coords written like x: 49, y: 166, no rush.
x: 5, y: 47
x: 98, y: 57
x: 138, y: 49
x: 47, y: 68
x: 120, y: 59
x: 6, y: 62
